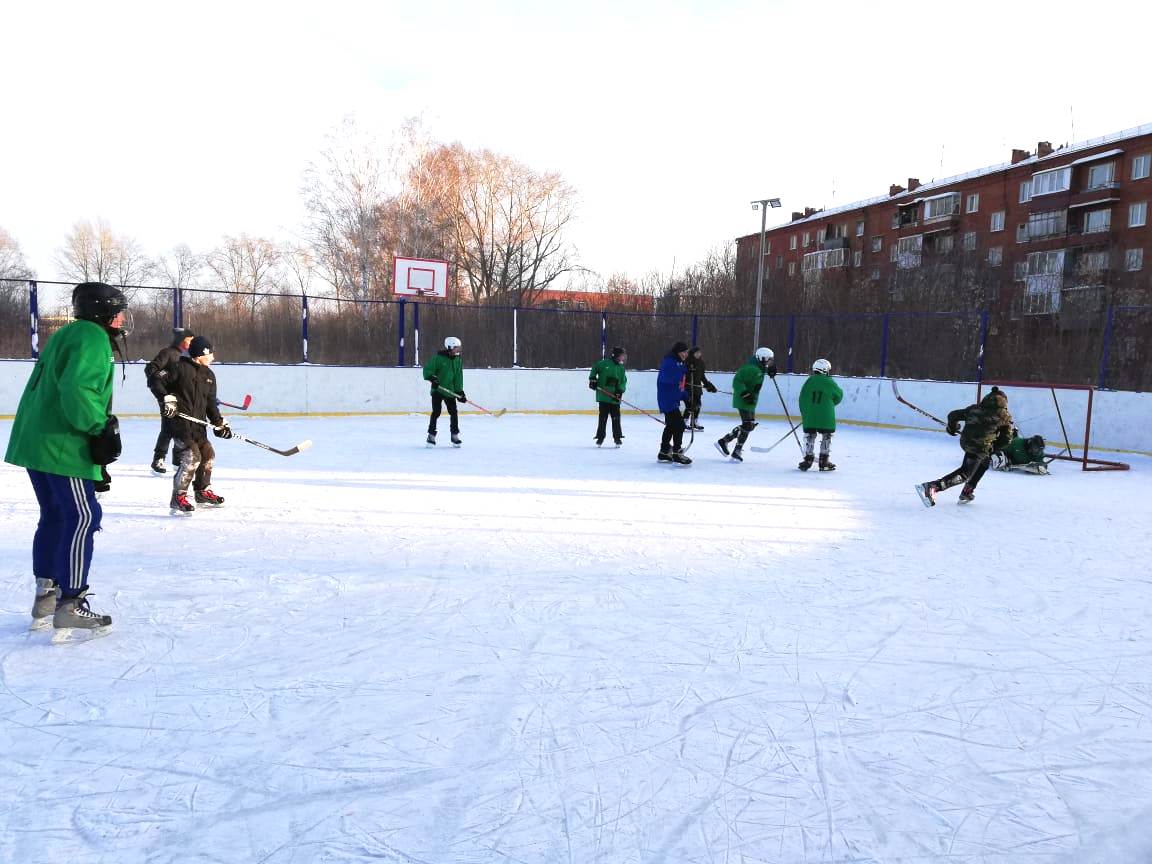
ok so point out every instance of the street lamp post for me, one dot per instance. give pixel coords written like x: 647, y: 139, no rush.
x: 762, y: 205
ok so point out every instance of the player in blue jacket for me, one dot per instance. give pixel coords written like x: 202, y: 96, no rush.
x: 670, y: 392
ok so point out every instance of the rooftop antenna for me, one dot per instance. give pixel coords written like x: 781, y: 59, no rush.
x: 1072, y: 118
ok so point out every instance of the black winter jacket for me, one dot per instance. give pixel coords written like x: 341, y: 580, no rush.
x: 194, y: 387
x: 162, y: 364
x: 696, y: 380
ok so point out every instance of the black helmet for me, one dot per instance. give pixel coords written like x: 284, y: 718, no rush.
x: 618, y: 352
x: 97, y: 302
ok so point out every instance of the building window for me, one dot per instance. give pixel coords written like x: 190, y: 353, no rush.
x: 1045, y: 272
x: 1022, y: 233
x: 893, y: 252
x: 997, y: 221
x: 942, y: 206
x: 1093, y: 264
x: 1025, y: 191
x: 768, y: 248
x: 1047, y: 182
x: 1100, y: 176
x: 877, y: 244
x: 972, y: 204
x: 791, y: 268
x: 779, y: 262
x: 970, y: 241
x: 1047, y: 224
x: 944, y: 243
x: 875, y: 274
x: 1097, y: 220
x: 1140, y: 166
x: 857, y: 257
x: 908, y: 250
x: 995, y: 256
x: 807, y: 239
x: 792, y: 242
x: 1134, y: 260
x: 815, y: 262
x: 1020, y: 271
x: 1138, y: 215
x: 859, y: 227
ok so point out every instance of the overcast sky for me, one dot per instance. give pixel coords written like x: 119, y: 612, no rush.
x: 186, y: 122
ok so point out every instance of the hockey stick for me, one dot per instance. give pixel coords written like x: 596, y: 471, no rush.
x: 291, y: 451
x: 629, y: 404
x: 774, y: 446
x: 456, y: 396
x: 904, y: 401
x: 241, y: 407
x: 792, y: 427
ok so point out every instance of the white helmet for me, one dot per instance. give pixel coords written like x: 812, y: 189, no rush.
x: 451, y: 342
x: 763, y: 356
x: 822, y: 366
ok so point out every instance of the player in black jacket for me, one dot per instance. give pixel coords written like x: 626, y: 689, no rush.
x: 160, y: 368
x: 191, y: 390
x: 987, y: 428
x: 695, y: 384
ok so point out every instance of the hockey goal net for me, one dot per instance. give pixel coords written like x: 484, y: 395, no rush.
x: 1061, y: 413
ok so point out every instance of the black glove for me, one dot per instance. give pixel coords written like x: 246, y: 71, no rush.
x: 748, y: 397
x: 105, y: 482
x: 591, y: 385
x: 771, y: 370
x: 104, y: 448
x: 435, y: 381
x: 953, y: 428
x: 223, y: 430
x: 618, y: 394
x: 709, y: 386
x: 460, y: 397
x: 168, y: 406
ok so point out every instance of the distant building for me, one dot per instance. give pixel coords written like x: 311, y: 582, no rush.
x: 594, y: 301
x: 1056, y: 231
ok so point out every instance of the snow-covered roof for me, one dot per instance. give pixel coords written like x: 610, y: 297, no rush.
x: 1097, y: 156
x: 899, y: 198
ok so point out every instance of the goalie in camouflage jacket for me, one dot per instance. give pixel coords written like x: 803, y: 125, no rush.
x: 987, y: 428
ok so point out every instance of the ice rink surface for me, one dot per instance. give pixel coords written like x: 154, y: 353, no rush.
x: 531, y: 650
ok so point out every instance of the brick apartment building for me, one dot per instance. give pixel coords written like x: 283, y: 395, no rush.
x: 1059, y: 233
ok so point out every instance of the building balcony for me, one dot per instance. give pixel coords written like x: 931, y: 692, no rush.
x: 1100, y: 196
x: 834, y: 243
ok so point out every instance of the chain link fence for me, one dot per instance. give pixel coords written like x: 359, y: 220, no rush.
x: 1110, y: 349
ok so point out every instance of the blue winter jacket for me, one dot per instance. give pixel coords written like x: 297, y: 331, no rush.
x: 670, y: 383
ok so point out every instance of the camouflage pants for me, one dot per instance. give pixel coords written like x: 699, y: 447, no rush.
x: 194, y: 461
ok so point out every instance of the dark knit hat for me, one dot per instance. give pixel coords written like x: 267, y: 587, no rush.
x: 182, y: 332
x: 677, y: 347
x: 199, y: 347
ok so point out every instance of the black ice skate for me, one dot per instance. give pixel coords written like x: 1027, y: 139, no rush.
x: 679, y: 458
x: 665, y: 455
x: 620, y: 441
x: 431, y: 439
x: 927, y: 493
x: 738, y: 453
x: 722, y: 445
x: 805, y: 463
x: 967, y: 494
x: 180, y: 503
x: 825, y: 465
x: 158, y: 465
x: 207, y: 496
x: 456, y: 442
x: 73, y: 620
x: 44, y: 604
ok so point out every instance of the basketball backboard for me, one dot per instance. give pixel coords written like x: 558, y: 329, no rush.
x: 420, y: 277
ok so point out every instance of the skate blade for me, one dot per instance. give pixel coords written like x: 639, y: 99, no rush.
x: 40, y: 623
x: 924, y: 499
x: 720, y: 449
x: 174, y: 512
x: 74, y: 635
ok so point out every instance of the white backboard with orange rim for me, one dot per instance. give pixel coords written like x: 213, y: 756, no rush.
x: 420, y: 277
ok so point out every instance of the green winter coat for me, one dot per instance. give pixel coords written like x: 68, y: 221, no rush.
x: 749, y: 378
x: 818, y: 400
x: 66, y: 400
x: 449, y: 369
x: 609, y: 375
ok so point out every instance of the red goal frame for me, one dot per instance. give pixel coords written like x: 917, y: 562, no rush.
x: 1086, y: 463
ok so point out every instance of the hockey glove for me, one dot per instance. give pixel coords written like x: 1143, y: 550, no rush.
x: 618, y: 394
x: 771, y: 370
x: 222, y: 431
x: 105, y: 482
x: 591, y: 385
x: 460, y: 397
x: 435, y: 380
x: 709, y: 386
x: 953, y: 428
x: 104, y: 448
x: 168, y: 406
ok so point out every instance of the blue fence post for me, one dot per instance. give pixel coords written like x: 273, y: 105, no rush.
x: 34, y: 319
x: 515, y: 337
x: 791, y: 340
x: 400, y: 339
x: 695, y: 329
x: 1105, y: 354
x: 603, y: 334
x: 416, y: 334
x: 884, y: 347
x: 983, y: 346
x: 177, y: 308
x: 304, y: 324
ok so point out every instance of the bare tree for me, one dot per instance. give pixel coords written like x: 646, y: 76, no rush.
x: 181, y: 268
x: 249, y: 268
x: 12, y: 263
x: 95, y: 253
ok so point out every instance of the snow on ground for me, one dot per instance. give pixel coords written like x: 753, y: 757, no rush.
x: 531, y: 650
